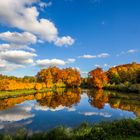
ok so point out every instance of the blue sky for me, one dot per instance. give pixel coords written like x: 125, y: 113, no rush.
x: 84, y: 34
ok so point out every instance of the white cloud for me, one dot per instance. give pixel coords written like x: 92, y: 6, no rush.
x: 12, y: 55
x: 43, y: 4
x: 18, y: 38
x: 53, y: 62
x: 97, y: 65
x: 103, y: 55
x: 132, y: 51
x: 40, y: 41
x: 87, y: 56
x: 17, y: 56
x: 64, y: 41
x: 15, y: 52
x: 7, y: 47
x: 5, y: 66
x: 106, y: 65
x: 71, y: 60
x: 23, y: 14
x: 50, y: 62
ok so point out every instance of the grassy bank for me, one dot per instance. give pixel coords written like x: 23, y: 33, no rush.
x: 125, y: 88
x: 122, y: 130
x: 7, y: 94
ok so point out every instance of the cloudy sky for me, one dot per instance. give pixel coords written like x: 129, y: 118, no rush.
x: 35, y: 34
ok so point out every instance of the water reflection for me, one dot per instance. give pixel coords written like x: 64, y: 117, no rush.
x: 98, y: 98
x: 49, y: 99
x: 70, y: 107
x: 123, y: 101
x: 63, y: 99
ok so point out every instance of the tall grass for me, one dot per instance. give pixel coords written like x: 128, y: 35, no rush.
x: 116, y: 130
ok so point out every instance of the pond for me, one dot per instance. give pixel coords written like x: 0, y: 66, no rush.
x: 42, y: 111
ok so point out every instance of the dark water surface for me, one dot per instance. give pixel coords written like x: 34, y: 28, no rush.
x: 42, y: 111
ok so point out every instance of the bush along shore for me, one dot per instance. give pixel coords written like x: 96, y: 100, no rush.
x: 116, y: 130
x: 123, y: 87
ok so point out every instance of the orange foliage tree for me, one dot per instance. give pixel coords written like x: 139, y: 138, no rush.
x: 54, y: 76
x: 98, y: 78
x: 71, y: 77
x: 7, y: 84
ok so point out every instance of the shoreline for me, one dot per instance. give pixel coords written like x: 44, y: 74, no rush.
x: 8, y: 94
x: 119, y: 88
x: 124, y: 88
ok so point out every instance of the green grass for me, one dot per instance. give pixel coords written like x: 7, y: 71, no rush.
x: 116, y: 130
x: 7, y: 94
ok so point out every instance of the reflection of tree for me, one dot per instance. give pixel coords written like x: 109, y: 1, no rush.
x: 10, y: 102
x: 128, y: 105
x: 98, y: 99
x: 128, y: 102
x: 67, y: 99
x: 49, y: 99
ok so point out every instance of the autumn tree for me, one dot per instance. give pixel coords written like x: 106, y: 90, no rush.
x: 49, y: 76
x: 98, y: 78
x: 54, y: 76
x: 71, y: 77
x: 124, y: 73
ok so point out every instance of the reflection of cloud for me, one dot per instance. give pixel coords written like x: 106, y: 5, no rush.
x: 103, y: 114
x: 71, y: 109
x: 17, y: 113
x: 60, y: 107
x: 45, y: 108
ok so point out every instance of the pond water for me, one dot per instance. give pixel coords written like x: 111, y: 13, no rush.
x: 42, y: 111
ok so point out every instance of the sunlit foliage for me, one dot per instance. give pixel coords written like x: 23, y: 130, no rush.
x: 129, y: 73
x: 98, y: 78
x: 54, y: 76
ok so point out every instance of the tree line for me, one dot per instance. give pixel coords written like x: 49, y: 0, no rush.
x: 46, y: 78
x: 53, y: 77
x: 127, y: 74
